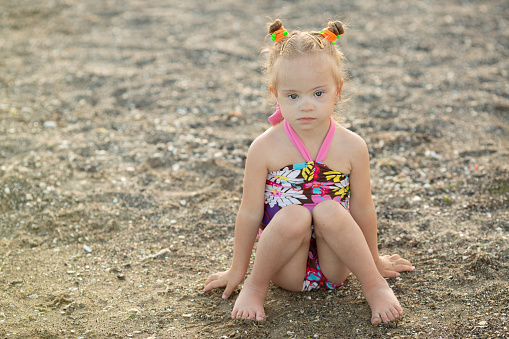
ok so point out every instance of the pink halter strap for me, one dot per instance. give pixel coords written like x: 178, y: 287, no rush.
x: 322, y: 153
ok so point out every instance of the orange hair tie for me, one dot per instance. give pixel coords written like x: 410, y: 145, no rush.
x: 327, y: 34
x: 279, y: 35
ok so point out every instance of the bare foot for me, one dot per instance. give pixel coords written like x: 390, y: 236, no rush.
x: 384, y: 305
x: 249, y: 304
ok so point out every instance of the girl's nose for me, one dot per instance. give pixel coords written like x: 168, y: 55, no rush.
x: 306, y: 106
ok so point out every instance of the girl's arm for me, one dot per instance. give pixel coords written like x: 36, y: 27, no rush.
x: 362, y: 208
x: 250, y: 213
x: 248, y: 221
x: 363, y: 211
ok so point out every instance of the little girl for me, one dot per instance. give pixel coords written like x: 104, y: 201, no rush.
x: 307, y: 189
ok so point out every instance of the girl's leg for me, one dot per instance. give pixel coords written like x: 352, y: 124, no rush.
x: 281, y: 256
x: 341, y: 246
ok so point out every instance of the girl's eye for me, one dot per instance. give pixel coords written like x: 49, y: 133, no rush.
x: 319, y: 94
x: 292, y: 96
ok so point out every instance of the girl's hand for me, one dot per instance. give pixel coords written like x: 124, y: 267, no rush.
x: 229, y: 279
x: 390, y: 266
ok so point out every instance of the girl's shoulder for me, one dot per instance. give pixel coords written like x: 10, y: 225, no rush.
x: 274, y: 149
x: 270, y: 138
x: 347, y: 150
x: 349, y: 140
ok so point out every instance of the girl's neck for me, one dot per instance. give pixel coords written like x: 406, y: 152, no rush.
x: 313, y: 138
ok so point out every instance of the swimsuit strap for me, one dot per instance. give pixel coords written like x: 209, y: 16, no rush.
x: 294, y: 138
x: 322, y: 153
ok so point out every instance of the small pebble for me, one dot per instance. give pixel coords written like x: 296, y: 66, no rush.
x: 432, y: 154
x: 50, y: 124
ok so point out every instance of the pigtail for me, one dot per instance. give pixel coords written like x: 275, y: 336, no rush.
x: 277, y: 31
x: 275, y: 26
x: 336, y: 27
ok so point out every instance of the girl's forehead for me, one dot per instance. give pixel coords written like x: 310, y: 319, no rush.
x: 316, y: 61
x: 306, y: 69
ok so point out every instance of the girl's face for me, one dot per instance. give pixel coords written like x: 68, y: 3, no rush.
x: 307, y: 91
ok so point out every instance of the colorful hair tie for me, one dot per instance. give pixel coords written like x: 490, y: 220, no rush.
x: 327, y: 34
x: 279, y: 35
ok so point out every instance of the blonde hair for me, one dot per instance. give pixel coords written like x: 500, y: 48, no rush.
x: 298, y: 43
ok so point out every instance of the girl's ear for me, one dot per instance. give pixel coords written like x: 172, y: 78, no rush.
x: 273, y: 92
x: 338, y: 90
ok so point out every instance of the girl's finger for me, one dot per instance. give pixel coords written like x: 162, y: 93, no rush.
x: 401, y: 260
x: 212, y: 285
x: 228, y: 290
x: 405, y: 264
x: 211, y: 278
x: 401, y: 268
x: 391, y: 274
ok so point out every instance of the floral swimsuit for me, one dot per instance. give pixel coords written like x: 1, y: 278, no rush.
x: 307, y: 184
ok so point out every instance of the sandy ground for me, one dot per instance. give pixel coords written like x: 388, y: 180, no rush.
x: 124, y: 127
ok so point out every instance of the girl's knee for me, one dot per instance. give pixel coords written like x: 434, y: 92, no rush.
x: 294, y: 219
x: 296, y: 214
x: 328, y: 209
x: 328, y: 214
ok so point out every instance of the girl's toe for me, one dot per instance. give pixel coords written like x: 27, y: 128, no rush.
x: 376, y: 320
